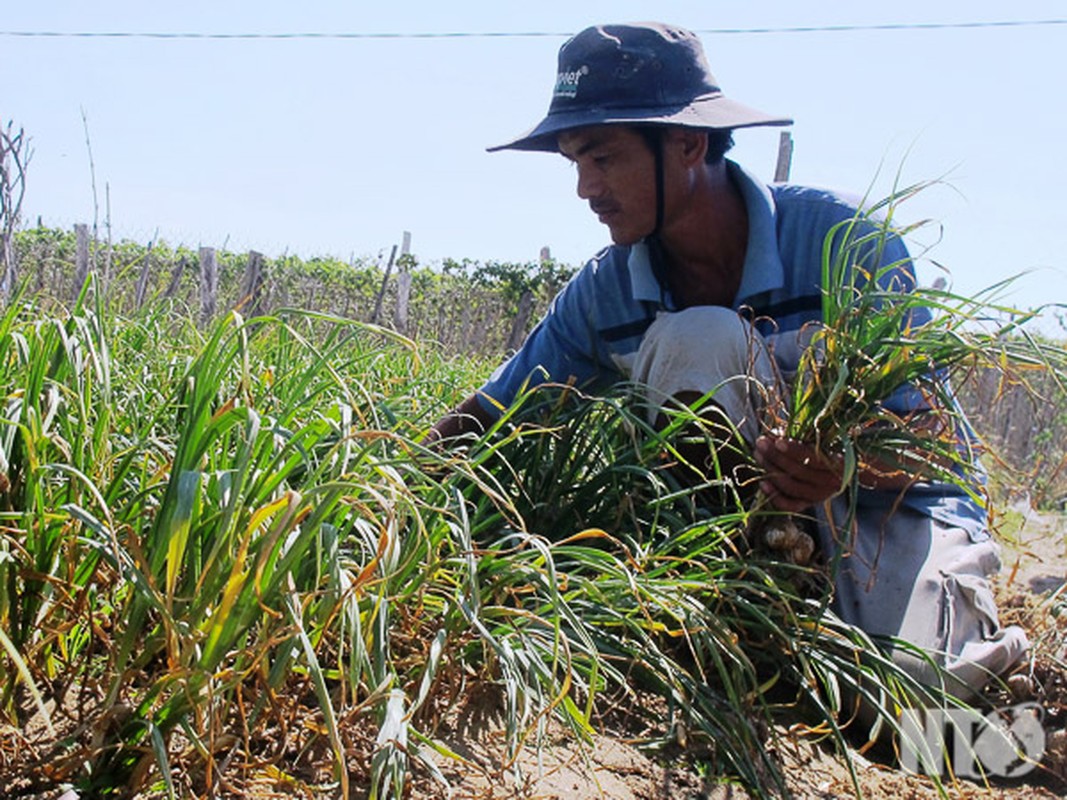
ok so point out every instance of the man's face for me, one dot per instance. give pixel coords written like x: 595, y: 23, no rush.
x: 617, y: 175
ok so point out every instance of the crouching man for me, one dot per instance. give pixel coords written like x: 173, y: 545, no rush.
x: 696, y: 238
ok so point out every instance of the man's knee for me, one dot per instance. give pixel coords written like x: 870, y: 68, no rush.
x: 706, y: 351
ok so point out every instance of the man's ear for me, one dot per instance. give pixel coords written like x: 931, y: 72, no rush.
x: 692, y: 145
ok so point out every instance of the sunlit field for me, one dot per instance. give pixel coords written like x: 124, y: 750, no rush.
x: 228, y: 560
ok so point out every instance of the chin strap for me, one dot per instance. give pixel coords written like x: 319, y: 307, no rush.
x: 656, y: 140
x: 654, y: 137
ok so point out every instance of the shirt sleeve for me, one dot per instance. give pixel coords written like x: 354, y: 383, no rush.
x: 562, y: 348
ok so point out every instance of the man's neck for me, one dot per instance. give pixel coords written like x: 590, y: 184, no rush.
x: 705, y: 246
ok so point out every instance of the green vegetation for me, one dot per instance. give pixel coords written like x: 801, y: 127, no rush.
x: 225, y: 555
x: 196, y: 526
x: 464, y: 306
x: 881, y: 333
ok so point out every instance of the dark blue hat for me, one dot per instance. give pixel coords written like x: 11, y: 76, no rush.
x: 645, y: 73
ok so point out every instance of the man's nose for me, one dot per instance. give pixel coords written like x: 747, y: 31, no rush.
x: 589, y: 186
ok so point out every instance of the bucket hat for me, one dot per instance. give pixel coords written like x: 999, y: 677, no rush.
x: 642, y: 73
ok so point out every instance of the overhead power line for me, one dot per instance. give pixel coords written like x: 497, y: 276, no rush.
x: 886, y: 26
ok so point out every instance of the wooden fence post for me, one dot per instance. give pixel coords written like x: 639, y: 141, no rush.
x: 106, y: 280
x: 43, y: 262
x: 81, y: 258
x: 251, y: 292
x: 209, y: 284
x: 518, y: 325
x: 14, y: 155
x: 785, y: 157
x: 403, y: 285
x: 376, y: 317
x: 465, y: 327
x: 7, y: 265
x: 142, y: 279
x: 522, y: 317
x: 175, y: 277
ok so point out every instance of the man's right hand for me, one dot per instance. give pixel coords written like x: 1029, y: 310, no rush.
x: 798, y: 475
x: 468, y: 417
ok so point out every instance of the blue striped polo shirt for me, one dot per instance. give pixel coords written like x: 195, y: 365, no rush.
x: 594, y: 326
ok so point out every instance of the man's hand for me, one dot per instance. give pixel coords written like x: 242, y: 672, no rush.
x: 468, y: 417
x: 798, y: 476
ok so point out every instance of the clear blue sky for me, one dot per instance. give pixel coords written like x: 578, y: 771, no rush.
x: 336, y: 146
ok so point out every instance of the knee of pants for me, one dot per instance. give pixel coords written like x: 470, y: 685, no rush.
x: 707, y: 350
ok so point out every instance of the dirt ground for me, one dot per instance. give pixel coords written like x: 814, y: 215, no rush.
x: 1035, y: 566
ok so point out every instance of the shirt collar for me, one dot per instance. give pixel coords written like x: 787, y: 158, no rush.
x: 762, y: 271
x: 643, y: 279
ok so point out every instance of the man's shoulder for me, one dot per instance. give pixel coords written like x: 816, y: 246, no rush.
x: 794, y: 196
x: 809, y: 214
x: 603, y: 280
x: 798, y: 198
x: 608, y: 264
x: 614, y: 256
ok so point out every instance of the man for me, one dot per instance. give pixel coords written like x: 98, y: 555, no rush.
x: 638, y: 112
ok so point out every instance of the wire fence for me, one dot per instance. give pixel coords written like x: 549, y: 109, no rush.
x: 466, y: 309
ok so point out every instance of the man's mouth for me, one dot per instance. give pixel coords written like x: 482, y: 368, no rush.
x: 604, y: 211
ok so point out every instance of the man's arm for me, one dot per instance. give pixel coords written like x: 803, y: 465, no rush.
x: 468, y: 417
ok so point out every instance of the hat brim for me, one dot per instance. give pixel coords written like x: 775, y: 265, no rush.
x: 712, y: 112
